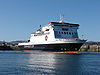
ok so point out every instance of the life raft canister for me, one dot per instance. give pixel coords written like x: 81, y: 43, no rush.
x: 46, y: 37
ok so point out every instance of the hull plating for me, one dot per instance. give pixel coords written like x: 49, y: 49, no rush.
x: 53, y: 47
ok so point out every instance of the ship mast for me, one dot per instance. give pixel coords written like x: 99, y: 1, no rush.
x: 61, y: 19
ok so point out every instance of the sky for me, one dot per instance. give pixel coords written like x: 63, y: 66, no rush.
x: 19, y: 18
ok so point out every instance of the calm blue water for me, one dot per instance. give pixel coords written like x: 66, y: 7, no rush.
x: 24, y: 63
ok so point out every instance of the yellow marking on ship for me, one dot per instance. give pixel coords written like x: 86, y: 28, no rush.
x: 52, y: 51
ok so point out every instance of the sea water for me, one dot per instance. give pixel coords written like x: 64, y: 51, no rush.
x: 43, y: 63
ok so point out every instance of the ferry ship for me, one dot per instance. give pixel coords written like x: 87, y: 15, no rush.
x: 55, y: 36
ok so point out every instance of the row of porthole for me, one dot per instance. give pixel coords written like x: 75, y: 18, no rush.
x: 67, y: 33
x: 66, y: 49
x: 63, y: 49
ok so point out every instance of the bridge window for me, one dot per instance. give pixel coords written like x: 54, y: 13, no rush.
x: 56, y: 32
x: 64, y: 32
x: 70, y: 33
x: 75, y: 32
x: 59, y: 32
x: 64, y: 29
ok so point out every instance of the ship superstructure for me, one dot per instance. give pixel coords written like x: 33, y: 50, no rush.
x: 56, y: 36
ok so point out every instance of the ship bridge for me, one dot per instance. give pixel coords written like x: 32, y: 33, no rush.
x: 64, y: 30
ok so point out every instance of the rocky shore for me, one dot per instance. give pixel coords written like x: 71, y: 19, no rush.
x: 7, y: 46
x: 90, y: 47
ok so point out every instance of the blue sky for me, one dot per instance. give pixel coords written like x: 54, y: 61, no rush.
x: 19, y: 18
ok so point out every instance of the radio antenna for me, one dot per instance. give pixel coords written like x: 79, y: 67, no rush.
x: 61, y: 18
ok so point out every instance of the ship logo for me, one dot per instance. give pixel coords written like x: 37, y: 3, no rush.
x: 46, y: 37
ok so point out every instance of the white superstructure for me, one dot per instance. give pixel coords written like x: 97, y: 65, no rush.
x: 55, y: 32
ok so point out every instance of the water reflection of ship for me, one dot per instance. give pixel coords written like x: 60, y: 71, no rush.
x: 55, y: 63
x: 56, y: 36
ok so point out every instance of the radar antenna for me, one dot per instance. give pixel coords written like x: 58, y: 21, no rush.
x: 61, y: 18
